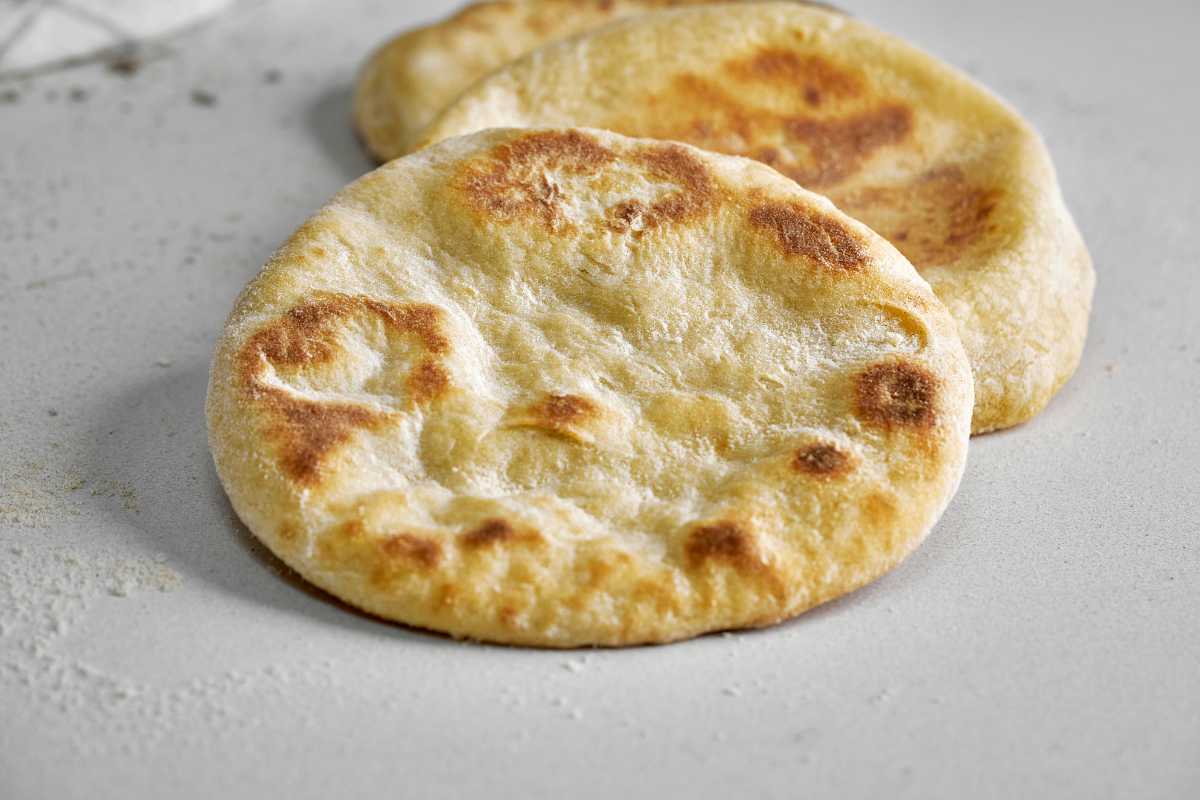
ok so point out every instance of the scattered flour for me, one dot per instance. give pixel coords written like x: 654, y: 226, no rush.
x: 34, y: 495
x: 44, y: 592
x: 47, y: 590
x: 122, y: 491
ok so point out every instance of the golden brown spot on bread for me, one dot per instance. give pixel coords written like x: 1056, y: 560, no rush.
x: 306, y: 431
x: 489, y: 532
x: 537, y: 24
x: 508, y: 616
x: 676, y: 164
x: 564, y: 409
x: 816, y: 149
x: 427, y: 381
x: 513, y: 182
x: 672, y: 163
x: 409, y: 546
x: 821, y: 460
x: 521, y: 572
x: 565, y: 415
x: 723, y: 541
x: 447, y: 596
x: 729, y: 543
x: 803, y: 231
x: 879, y: 510
x: 838, y: 147
x: 350, y: 546
x: 932, y: 220
x: 352, y: 530
x: 420, y: 319
x: 724, y: 123
x: 791, y: 71
x: 597, y: 571
x: 298, y: 338
x: 896, y: 393
x: 303, y: 336
x: 628, y: 214
x: 658, y: 595
x: 492, y: 532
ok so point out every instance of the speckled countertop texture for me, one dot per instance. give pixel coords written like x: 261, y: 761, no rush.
x: 1045, y: 642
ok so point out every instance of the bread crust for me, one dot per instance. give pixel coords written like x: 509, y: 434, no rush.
x: 563, y: 388
x: 947, y: 172
x: 412, y: 77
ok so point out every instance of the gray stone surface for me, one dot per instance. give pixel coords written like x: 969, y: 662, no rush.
x: 1045, y: 642
x: 40, y: 35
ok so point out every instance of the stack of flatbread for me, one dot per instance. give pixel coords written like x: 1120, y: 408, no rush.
x: 679, y: 324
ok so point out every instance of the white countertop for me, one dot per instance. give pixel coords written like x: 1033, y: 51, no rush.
x: 1044, y: 642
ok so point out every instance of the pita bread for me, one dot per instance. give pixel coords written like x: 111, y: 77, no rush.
x: 566, y: 388
x: 947, y: 172
x: 414, y: 76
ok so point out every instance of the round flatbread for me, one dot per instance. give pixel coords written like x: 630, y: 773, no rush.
x: 934, y: 162
x: 411, y: 78
x: 562, y: 388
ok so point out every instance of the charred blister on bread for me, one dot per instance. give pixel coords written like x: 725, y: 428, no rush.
x: 570, y: 416
x: 497, y: 532
x: 515, y: 181
x: 822, y: 460
x: 727, y: 542
x: 714, y: 549
x: 896, y: 394
x: 801, y: 230
x: 546, y: 176
x: 410, y: 547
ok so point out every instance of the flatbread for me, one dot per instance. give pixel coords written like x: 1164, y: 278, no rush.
x: 412, y: 77
x: 947, y: 172
x: 566, y: 388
